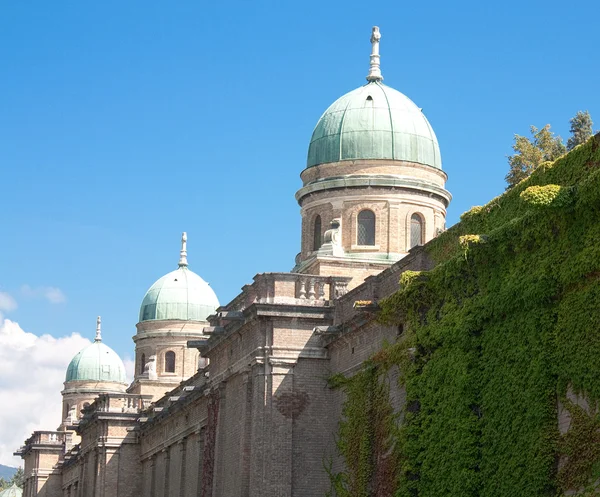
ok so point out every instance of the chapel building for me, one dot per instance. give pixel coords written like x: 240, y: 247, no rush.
x: 233, y: 400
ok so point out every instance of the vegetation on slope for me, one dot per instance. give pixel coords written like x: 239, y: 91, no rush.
x: 500, y: 335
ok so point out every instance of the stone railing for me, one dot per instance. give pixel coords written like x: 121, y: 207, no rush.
x: 109, y: 402
x: 45, y: 439
x: 48, y: 438
x: 290, y: 288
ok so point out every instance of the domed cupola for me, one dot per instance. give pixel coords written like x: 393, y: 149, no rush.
x: 173, y: 312
x: 373, y: 187
x: 180, y: 295
x: 13, y: 491
x: 374, y: 122
x: 96, y: 362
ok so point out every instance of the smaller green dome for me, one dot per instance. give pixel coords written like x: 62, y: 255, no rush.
x: 96, y: 362
x: 180, y: 295
x: 13, y: 491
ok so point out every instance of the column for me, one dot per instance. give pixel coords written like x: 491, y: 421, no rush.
x: 183, y: 459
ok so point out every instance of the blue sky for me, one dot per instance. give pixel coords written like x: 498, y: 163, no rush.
x: 124, y: 123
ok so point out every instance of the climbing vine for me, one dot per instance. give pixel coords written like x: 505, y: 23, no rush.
x: 505, y: 324
x: 366, y: 435
x: 580, y: 447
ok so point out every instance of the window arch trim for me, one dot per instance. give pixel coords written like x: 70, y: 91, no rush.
x: 317, y: 233
x: 365, y: 227
x: 416, y: 230
x: 170, y: 361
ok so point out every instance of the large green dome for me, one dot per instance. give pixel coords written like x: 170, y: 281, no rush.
x: 96, y: 362
x: 374, y: 122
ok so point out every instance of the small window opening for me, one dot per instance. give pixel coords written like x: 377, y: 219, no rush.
x: 369, y: 97
x: 170, y: 362
x: 400, y: 329
x: 317, y: 233
x: 366, y: 228
x: 416, y: 230
x: 142, y: 363
x: 353, y: 350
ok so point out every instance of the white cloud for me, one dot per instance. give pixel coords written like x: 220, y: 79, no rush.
x: 7, y: 303
x: 32, y: 371
x: 129, y: 368
x: 52, y: 294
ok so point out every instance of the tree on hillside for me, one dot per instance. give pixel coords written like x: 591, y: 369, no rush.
x: 530, y: 153
x: 18, y: 478
x: 581, y: 129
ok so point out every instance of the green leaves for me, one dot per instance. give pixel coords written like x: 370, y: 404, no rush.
x: 530, y: 153
x: 490, y: 343
x: 581, y: 129
x: 544, y: 196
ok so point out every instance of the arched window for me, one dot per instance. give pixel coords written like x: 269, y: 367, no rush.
x: 416, y: 230
x: 317, y: 233
x: 142, y: 363
x: 366, y: 228
x: 170, y: 362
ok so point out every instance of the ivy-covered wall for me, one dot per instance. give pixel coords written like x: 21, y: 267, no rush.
x: 495, y: 337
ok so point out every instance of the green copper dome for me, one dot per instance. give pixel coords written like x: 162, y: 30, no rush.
x: 96, y: 362
x: 374, y: 122
x: 182, y: 295
x: 13, y: 491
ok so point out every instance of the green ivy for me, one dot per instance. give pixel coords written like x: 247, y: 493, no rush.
x: 580, y: 446
x: 491, y: 342
x: 366, y: 435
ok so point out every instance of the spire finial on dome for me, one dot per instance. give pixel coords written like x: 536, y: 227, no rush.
x: 98, y: 330
x: 375, y: 69
x: 183, y: 254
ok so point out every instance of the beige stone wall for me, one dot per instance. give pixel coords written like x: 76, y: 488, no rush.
x: 358, y: 271
x: 171, y: 447
x: 43, y: 451
x: 380, y: 167
x: 392, y: 208
x: 157, y: 338
x: 83, y: 393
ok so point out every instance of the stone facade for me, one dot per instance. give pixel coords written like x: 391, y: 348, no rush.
x: 239, y: 405
x: 154, y: 340
x: 398, y: 194
x: 258, y: 420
